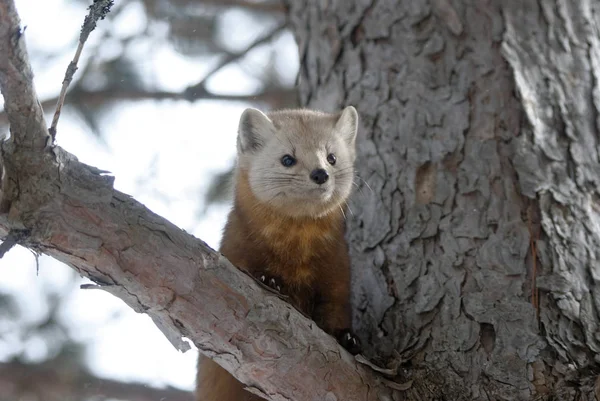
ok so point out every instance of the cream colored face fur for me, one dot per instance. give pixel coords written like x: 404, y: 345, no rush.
x: 309, y: 137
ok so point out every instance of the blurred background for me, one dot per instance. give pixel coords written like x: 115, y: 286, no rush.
x: 156, y: 101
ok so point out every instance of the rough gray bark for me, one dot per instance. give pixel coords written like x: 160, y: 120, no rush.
x: 476, y: 243
x: 53, y: 204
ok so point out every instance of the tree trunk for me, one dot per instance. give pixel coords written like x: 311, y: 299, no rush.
x: 475, y: 235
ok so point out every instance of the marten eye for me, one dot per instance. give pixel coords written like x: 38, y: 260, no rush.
x: 288, y: 161
x: 331, y: 159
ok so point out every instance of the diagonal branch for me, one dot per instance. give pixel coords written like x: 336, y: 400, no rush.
x: 74, y: 214
x: 200, y: 88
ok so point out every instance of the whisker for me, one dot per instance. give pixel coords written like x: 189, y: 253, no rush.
x: 342, y: 170
x: 278, y: 180
x: 342, y: 210
x: 276, y: 173
x: 273, y: 187
x: 350, y: 210
x: 366, y: 183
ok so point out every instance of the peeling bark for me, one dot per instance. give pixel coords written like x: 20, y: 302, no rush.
x: 475, y: 237
x: 554, y: 50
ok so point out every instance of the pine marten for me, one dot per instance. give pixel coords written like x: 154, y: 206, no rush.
x: 294, y: 174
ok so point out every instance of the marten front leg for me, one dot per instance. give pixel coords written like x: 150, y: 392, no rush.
x: 332, y: 314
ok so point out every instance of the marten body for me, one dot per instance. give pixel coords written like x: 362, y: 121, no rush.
x: 287, y: 225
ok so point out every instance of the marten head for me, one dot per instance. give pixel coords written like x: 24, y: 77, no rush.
x: 299, y: 162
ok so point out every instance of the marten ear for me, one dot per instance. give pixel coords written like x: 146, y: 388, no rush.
x: 253, y: 130
x: 347, y: 124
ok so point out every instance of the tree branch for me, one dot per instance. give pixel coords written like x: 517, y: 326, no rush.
x: 264, y: 6
x: 200, y: 87
x: 55, y: 382
x: 276, y: 97
x: 98, y: 10
x: 20, y: 101
x: 188, y: 289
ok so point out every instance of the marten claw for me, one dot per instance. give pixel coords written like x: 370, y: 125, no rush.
x: 349, y: 341
x: 272, y: 282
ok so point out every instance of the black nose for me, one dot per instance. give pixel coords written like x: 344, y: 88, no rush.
x: 319, y: 176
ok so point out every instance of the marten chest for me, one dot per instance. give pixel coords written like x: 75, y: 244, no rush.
x: 295, y: 251
x: 298, y: 255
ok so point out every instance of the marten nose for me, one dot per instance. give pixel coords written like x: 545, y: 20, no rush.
x: 319, y: 176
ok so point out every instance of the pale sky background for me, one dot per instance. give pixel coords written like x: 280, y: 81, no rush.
x: 162, y: 153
